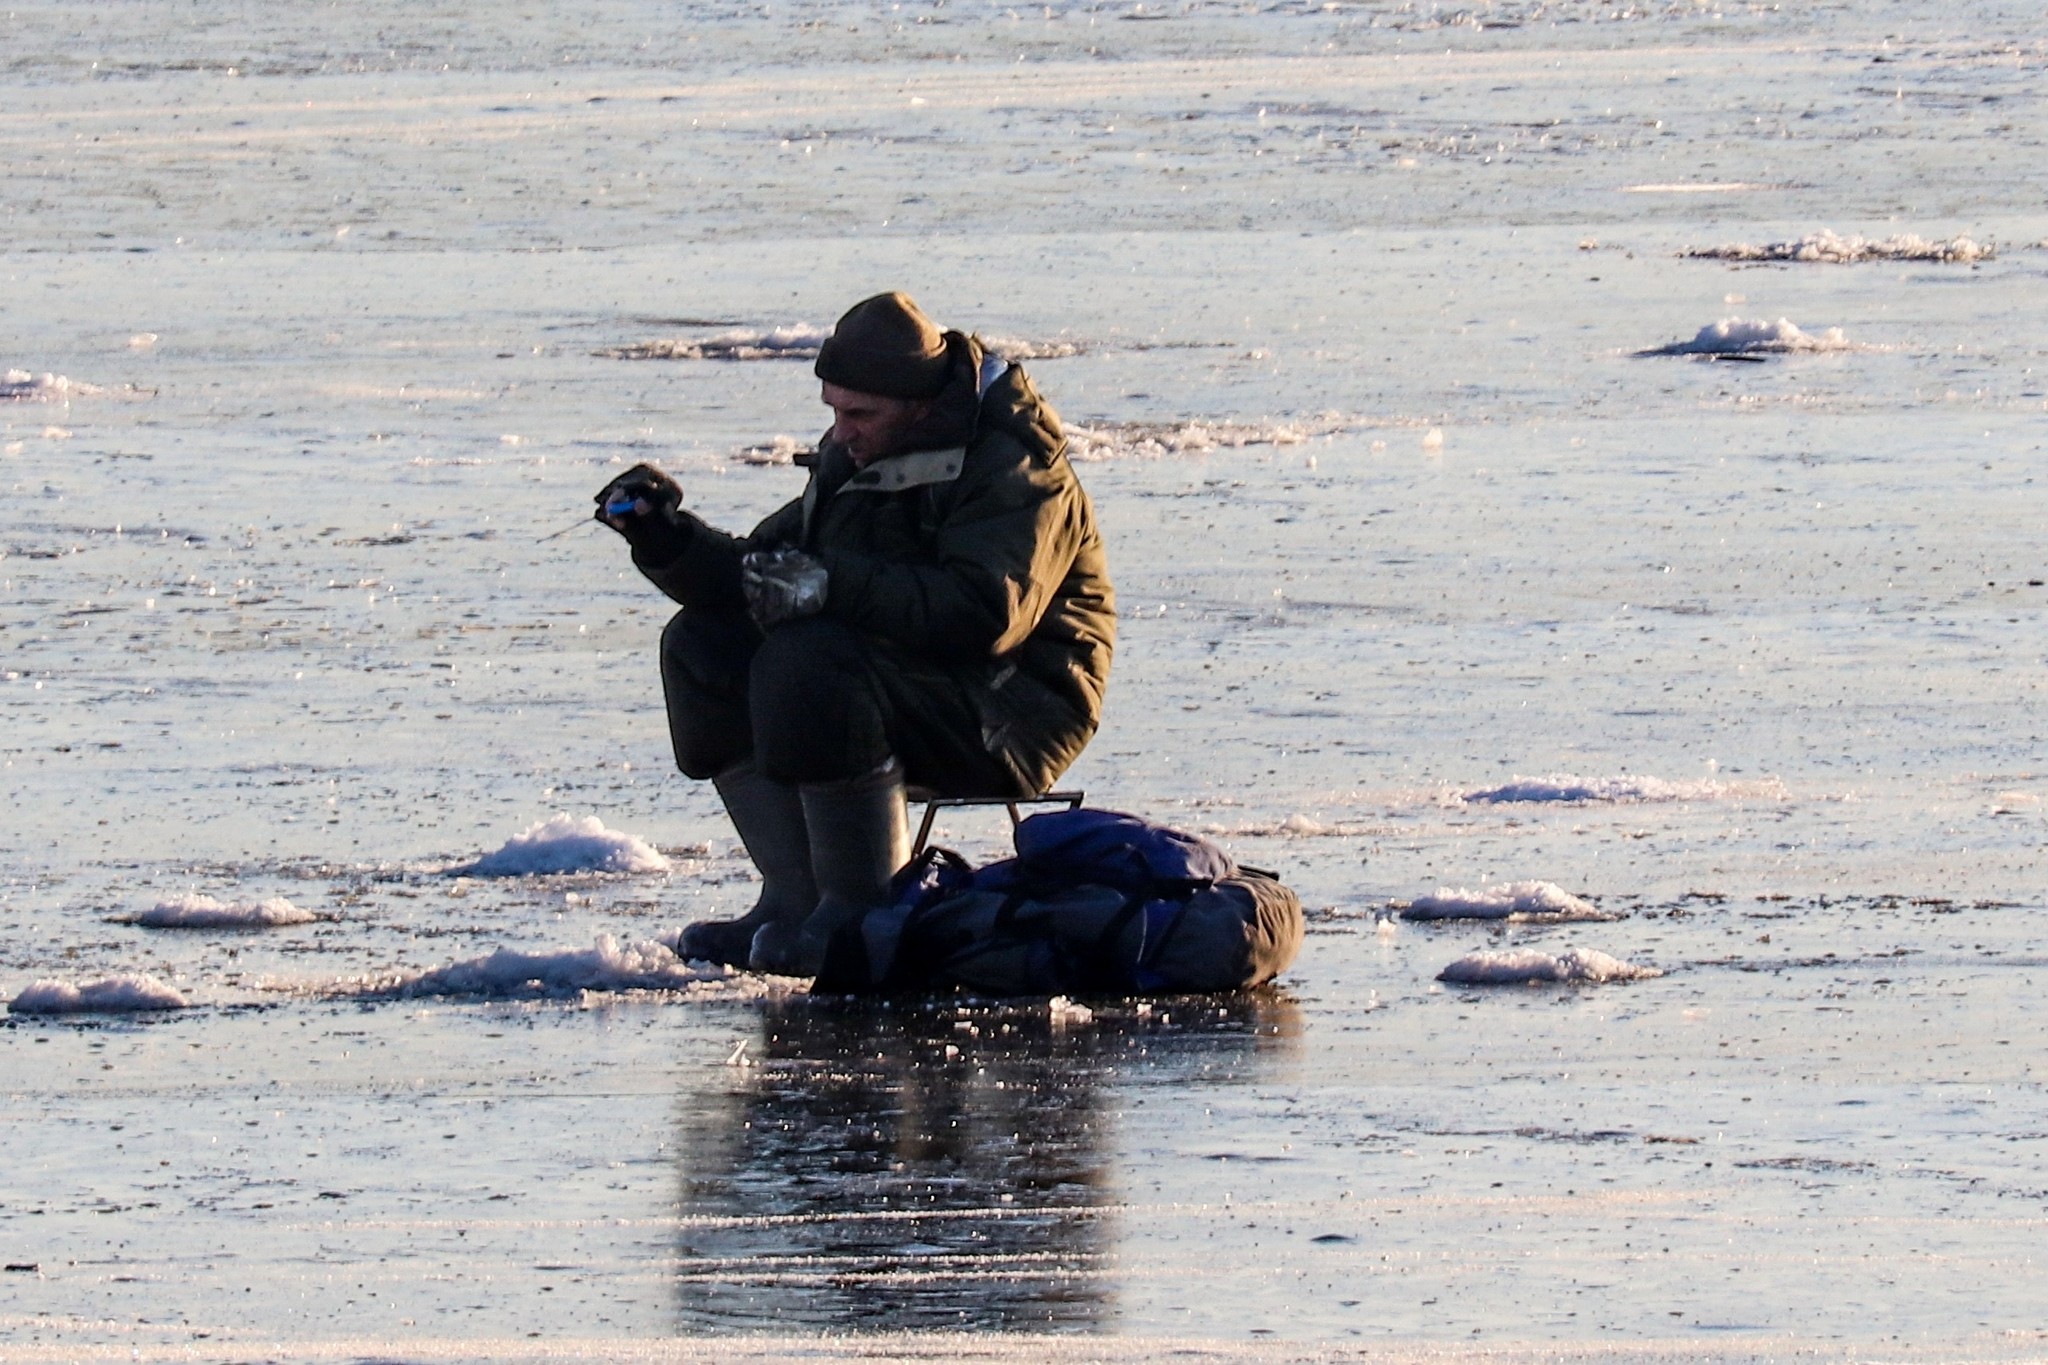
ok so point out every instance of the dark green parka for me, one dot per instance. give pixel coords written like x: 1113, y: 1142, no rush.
x: 975, y: 551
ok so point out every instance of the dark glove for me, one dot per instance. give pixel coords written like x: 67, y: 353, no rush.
x: 782, y: 585
x: 645, y: 506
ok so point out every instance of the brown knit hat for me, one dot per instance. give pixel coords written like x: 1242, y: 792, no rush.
x: 887, y: 346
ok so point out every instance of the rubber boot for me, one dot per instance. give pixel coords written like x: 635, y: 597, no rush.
x: 770, y: 819
x: 860, y: 837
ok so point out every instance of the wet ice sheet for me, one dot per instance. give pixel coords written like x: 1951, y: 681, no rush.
x: 277, y: 617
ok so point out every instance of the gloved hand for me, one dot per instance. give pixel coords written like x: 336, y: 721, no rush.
x: 782, y: 585
x: 643, y: 505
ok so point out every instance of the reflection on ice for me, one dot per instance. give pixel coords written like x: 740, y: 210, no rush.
x: 944, y: 1165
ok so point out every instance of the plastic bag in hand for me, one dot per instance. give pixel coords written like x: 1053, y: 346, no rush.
x: 782, y: 585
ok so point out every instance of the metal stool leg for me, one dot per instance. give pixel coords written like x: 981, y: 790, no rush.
x: 1070, y: 799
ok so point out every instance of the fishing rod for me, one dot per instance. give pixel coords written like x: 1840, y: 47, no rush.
x: 612, y: 509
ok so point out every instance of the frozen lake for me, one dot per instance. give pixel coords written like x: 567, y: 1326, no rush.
x: 314, y: 321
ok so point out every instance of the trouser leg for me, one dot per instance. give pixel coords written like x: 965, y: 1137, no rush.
x: 824, y: 703
x: 842, y: 718
x: 705, y: 659
x: 828, y: 704
x: 816, y: 726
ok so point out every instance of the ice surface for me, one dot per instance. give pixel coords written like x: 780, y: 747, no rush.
x: 1565, y: 788
x: 1828, y: 247
x: 606, y: 966
x: 1515, y: 966
x: 1519, y: 902
x: 204, y: 912
x: 1817, y: 570
x: 567, y: 843
x: 125, y: 994
x: 1736, y: 336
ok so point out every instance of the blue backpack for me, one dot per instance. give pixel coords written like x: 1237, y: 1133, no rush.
x: 1094, y: 903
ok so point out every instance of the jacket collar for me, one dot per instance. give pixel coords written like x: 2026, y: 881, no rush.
x: 898, y: 472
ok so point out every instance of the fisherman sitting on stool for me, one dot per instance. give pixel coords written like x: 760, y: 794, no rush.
x: 935, y: 610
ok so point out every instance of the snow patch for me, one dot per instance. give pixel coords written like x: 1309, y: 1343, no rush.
x: 1517, y: 966
x: 606, y: 966
x: 1826, y: 246
x: 1515, y: 902
x: 126, y: 994
x: 204, y: 912
x: 1737, y: 336
x: 567, y: 843
x: 1158, y: 440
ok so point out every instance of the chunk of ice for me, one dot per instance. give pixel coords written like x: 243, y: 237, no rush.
x: 204, y: 912
x: 567, y: 843
x: 1158, y: 440
x: 1738, y: 336
x: 1064, y: 1013
x: 111, y: 995
x: 1516, y: 966
x: 606, y: 966
x: 1564, y: 787
x: 1826, y: 246
x: 800, y: 341
x: 23, y: 386
x: 1516, y: 902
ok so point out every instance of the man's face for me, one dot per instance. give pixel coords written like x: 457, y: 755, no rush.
x: 869, y: 425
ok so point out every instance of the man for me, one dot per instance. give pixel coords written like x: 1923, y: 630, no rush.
x: 935, y: 610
